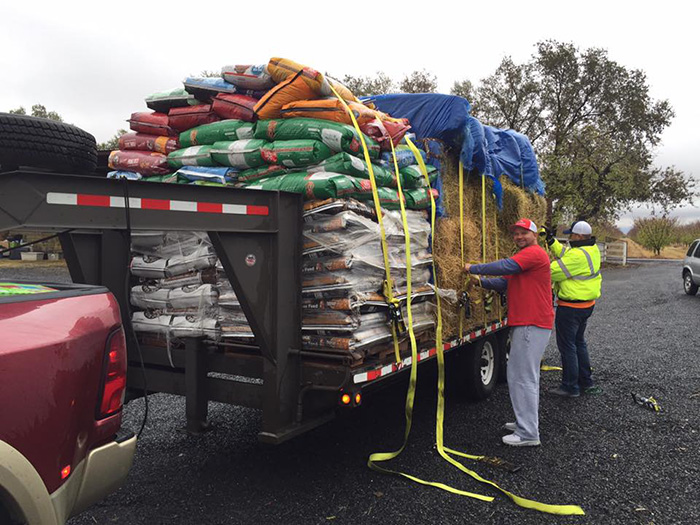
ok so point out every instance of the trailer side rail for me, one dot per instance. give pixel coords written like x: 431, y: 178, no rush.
x: 374, y: 373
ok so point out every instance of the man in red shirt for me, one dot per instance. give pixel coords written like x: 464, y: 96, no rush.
x: 527, y: 282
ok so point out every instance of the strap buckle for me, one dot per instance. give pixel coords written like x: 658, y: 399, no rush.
x: 395, y: 313
x: 465, y: 303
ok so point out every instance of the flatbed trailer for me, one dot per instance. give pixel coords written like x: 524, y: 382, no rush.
x: 257, y: 237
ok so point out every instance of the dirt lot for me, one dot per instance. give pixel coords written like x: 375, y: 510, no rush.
x: 622, y: 463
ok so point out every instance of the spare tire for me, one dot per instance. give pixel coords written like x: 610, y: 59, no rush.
x: 44, y: 143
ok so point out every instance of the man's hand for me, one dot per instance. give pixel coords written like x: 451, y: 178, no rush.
x: 547, y: 234
x: 467, y: 268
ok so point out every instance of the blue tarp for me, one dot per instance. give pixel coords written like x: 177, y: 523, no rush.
x: 492, y: 152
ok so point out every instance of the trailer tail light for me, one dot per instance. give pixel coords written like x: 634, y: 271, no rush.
x: 351, y: 399
x: 65, y: 472
x: 114, y: 375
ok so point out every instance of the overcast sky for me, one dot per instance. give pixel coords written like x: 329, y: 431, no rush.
x: 94, y: 62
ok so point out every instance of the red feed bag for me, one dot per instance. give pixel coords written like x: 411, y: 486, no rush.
x: 143, y: 142
x: 151, y: 123
x: 239, y: 107
x: 182, y: 119
x: 143, y: 162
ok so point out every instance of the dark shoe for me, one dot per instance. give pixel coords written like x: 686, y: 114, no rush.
x: 593, y: 390
x: 559, y: 391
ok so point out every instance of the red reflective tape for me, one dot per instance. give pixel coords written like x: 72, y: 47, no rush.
x: 94, y: 200
x: 446, y: 346
x: 257, y: 210
x: 374, y: 374
x: 155, y: 204
x: 210, y: 207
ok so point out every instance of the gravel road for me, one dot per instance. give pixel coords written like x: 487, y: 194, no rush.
x: 620, y: 462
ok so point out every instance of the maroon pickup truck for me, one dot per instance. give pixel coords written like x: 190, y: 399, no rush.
x: 62, y: 383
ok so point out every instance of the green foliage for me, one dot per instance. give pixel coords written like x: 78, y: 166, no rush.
x: 593, y: 125
x: 112, y: 143
x: 38, y: 110
x: 379, y: 84
x: 686, y: 233
x: 465, y: 89
x: 655, y: 233
x: 210, y: 74
x: 419, y: 82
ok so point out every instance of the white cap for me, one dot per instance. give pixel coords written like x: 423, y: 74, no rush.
x: 580, y: 227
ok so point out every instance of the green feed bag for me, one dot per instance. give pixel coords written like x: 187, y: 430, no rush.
x: 316, y: 186
x: 295, y: 153
x: 241, y: 154
x: 338, y: 137
x: 349, y: 165
x: 412, y: 176
x: 217, y: 131
x: 192, y: 156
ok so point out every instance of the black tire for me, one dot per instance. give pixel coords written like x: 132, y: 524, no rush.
x: 477, y: 369
x: 503, y: 354
x: 44, y: 143
x: 689, y: 286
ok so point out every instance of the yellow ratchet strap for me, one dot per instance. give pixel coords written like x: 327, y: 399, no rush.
x: 388, y: 284
x: 410, y: 396
x: 483, y: 218
x: 495, y: 228
x: 442, y: 450
x: 461, y: 232
x: 549, y: 368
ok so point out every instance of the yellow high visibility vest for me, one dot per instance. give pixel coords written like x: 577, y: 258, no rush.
x: 576, y: 272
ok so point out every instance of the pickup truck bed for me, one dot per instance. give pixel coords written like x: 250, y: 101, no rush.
x: 60, y: 416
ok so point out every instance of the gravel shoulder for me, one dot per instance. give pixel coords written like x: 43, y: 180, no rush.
x: 622, y: 463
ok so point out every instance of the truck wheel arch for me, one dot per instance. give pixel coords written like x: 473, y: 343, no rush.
x: 21, y: 483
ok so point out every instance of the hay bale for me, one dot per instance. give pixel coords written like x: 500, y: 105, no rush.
x: 517, y: 203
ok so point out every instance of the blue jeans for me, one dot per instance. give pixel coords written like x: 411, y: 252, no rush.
x: 570, y: 324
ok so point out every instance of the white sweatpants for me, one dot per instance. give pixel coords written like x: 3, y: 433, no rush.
x: 526, y: 351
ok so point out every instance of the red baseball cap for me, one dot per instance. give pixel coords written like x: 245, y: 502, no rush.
x: 525, y: 223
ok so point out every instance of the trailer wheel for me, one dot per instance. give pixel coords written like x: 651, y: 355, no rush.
x: 504, y: 338
x: 44, y: 143
x: 478, y: 369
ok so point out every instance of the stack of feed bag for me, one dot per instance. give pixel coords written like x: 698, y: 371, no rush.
x: 180, y: 290
x: 281, y: 126
x: 343, y: 273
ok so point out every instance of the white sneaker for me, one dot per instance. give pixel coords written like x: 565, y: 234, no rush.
x: 516, y: 441
x: 510, y: 427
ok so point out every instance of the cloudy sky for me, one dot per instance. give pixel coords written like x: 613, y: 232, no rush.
x: 94, y: 62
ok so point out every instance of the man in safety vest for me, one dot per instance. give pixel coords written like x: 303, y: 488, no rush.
x: 577, y: 281
x: 527, y: 282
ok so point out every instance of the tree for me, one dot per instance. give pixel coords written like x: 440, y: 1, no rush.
x: 655, y: 233
x: 463, y: 88
x: 594, y: 127
x: 419, y: 82
x: 38, y: 110
x: 210, y: 74
x: 112, y: 143
x: 379, y: 84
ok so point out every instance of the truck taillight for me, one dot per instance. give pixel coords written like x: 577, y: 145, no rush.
x: 114, y: 371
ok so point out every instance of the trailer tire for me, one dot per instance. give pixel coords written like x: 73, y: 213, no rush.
x: 44, y: 143
x: 477, y: 366
x: 504, y: 337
